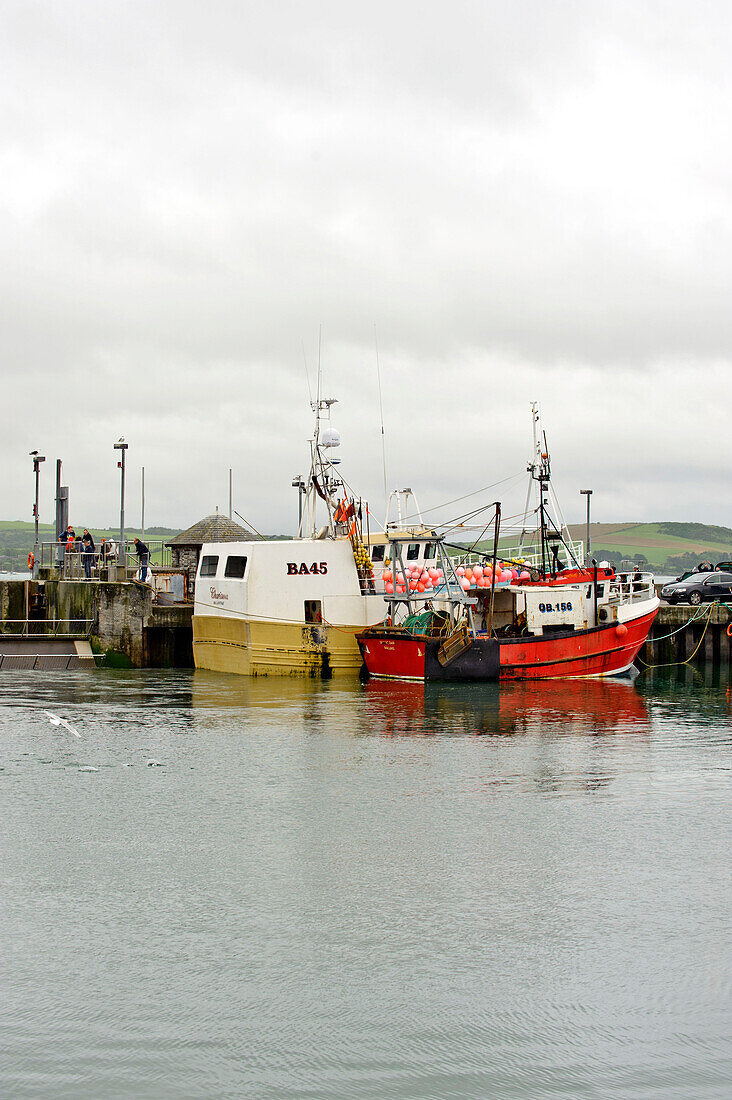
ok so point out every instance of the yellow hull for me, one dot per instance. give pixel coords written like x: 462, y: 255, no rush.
x: 255, y: 648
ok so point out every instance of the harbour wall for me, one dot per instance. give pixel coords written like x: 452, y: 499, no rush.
x: 122, y: 619
x: 682, y: 634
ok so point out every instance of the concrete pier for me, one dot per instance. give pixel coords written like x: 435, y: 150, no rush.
x: 121, y: 619
x: 696, y: 634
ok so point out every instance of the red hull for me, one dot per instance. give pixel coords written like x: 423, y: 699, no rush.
x: 598, y: 652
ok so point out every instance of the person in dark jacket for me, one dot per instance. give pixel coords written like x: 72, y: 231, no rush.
x: 143, y: 555
x: 87, y: 555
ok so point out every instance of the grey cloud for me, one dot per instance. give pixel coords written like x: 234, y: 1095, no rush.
x: 524, y: 198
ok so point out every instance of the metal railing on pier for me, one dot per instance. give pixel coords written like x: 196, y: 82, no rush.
x: 48, y: 628
x: 101, y: 564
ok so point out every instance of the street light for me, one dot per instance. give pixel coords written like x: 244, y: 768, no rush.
x: 37, y: 460
x: 120, y: 445
x: 299, y: 484
x: 587, y: 493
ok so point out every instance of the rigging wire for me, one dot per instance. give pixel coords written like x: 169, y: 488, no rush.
x: 474, y: 493
x: 381, y: 415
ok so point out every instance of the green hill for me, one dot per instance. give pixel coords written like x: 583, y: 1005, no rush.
x: 664, y: 546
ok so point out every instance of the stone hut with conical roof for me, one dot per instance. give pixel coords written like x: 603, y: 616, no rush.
x: 185, y: 548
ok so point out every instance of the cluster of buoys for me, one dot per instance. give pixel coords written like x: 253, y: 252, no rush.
x: 361, y: 555
x: 416, y: 578
x: 481, y: 576
x: 421, y: 579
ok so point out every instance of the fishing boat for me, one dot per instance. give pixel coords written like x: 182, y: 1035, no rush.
x: 294, y: 606
x: 538, y: 618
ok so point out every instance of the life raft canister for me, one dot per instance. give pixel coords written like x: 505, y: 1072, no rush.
x: 31, y: 560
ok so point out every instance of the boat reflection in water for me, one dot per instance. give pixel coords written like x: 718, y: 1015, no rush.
x: 579, y: 707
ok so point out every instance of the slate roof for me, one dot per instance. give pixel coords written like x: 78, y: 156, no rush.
x: 214, y: 528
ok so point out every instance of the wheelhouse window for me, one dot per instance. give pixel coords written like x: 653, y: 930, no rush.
x: 377, y: 552
x: 209, y: 565
x: 413, y: 551
x: 235, y: 566
x: 430, y: 551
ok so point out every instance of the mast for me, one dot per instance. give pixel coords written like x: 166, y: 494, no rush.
x: 539, y: 471
x: 322, y: 482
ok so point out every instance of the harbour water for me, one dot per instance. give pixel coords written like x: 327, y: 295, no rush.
x: 288, y: 889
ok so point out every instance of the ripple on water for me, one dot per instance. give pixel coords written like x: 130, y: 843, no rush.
x: 364, y: 891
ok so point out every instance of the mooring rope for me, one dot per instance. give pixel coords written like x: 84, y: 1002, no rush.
x: 674, y: 664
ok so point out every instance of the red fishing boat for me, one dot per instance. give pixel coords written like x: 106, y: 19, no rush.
x: 509, y: 620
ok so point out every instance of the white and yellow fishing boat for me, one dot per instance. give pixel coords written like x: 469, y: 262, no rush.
x: 294, y: 607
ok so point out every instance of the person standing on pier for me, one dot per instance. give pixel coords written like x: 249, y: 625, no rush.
x: 143, y: 555
x: 88, y: 554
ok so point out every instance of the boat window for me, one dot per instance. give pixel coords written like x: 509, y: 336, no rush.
x: 209, y: 565
x: 235, y: 567
x: 430, y: 551
x: 313, y: 612
x: 377, y: 552
x: 413, y: 551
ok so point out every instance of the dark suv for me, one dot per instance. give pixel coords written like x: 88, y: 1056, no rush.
x: 699, y: 587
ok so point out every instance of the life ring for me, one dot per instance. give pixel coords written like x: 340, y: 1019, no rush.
x: 729, y: 630
x: 31, y: 560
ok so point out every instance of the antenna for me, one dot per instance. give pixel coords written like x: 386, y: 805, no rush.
x: 381, y: 415
x: 307, y: 373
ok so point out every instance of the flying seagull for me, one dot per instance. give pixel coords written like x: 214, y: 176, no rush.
x: 56, y: 721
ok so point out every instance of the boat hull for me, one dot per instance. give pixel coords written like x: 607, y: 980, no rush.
x: 255, y: 648
x: 601, y: 651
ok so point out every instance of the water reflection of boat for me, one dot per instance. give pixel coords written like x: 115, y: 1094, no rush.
x: 593, y: 707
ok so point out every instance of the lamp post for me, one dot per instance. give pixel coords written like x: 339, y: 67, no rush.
x: 587, y: 493
x: 37, y: 460
x: 120, y: 445
x: 299, y: 484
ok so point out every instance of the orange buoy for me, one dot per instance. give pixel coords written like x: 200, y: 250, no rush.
x: 621, y: 630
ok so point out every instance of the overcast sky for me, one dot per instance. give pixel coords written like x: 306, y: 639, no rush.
x: 526, y: 200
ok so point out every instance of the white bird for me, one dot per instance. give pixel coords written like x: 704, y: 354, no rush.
x: 88, y: 768
x: 56, y: 721
x: 155, y: 764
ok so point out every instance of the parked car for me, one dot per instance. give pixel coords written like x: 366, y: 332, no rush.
x: 699, y: 587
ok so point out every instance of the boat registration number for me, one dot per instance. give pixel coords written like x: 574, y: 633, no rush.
x: 549, y: 607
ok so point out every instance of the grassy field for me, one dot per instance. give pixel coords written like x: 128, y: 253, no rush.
x: 664, y: 546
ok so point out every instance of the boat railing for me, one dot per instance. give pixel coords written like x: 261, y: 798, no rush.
x: 631, y: 588
x: 529, y: 556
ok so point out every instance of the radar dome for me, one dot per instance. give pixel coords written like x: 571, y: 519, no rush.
x: 330, y: 438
